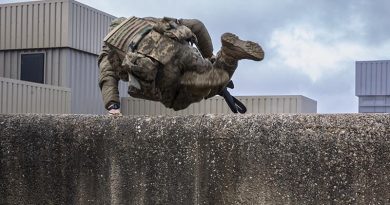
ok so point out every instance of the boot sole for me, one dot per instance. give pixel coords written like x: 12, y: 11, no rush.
x: 247, y: 49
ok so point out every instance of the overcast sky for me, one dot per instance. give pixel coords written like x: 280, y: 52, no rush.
x: 310, y: 45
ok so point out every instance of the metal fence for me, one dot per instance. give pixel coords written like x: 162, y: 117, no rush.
x: 18, y: 96
x: 217, y: 105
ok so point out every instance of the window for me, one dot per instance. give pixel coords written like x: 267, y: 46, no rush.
x: 32, y: 67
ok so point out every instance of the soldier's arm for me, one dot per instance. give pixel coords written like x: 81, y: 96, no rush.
x: 108, y: 80
x: 205, y: 44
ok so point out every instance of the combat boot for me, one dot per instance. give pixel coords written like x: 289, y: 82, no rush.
x: 234, y: 49
x: 238, y: 49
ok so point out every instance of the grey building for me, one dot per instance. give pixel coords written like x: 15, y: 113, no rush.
x: 217, y: 105
x: 373, y: 86
x: 50, y: 47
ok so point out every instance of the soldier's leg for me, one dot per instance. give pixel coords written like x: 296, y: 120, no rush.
x: 187, y: 95
x: 202, y: 78
x: 234, y: 49
x: 200, y: 72
x: 197, y: 79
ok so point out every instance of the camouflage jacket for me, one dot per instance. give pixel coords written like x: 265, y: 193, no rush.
x: 112, y: 57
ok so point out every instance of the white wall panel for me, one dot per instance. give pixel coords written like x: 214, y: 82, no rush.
x: 217, y: 105
x: 2, y: 25
x: 36, y: 24
x: 372, y: 78
x: 373, y: 86
x: 51, y: 24
x: 25, y: 97
x: 374, y: 104
x: 88, y: 27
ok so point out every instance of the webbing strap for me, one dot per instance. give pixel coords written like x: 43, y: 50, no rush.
x: 234, y: 104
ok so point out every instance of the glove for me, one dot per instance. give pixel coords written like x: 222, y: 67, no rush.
x: 114, y: 110
x: 212, y: 59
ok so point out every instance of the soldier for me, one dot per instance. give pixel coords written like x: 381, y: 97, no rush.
x: 159, y: 59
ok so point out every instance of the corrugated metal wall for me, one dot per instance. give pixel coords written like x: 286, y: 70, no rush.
x: 25, y: 97
x: 372, y: 78
x: 55, y: 65
x: 88, y: 27
x: 374, y: 104
x: 373, y: 86
x: 307, y: 105
x: 54, y: 23
x: 217, y: 105
x: 39, y: 24
x: 83, y: 80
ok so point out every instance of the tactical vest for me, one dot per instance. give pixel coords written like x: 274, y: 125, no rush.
x: 160, y: 40
x: 124, y: 36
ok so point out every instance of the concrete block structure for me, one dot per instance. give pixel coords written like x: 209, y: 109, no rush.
x: 373, y: 86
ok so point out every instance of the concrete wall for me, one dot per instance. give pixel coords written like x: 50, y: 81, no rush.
x: 209, y: 159
x: 217, y: 105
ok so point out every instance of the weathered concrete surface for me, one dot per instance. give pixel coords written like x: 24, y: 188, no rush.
x: 234, y: 159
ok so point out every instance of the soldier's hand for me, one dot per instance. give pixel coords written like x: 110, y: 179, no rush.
x: 115, y: 112
x: 212, y: 58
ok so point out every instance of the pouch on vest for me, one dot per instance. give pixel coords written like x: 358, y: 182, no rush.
x: 176, y: 31
x: 128, y: 31
x: 142, y: 73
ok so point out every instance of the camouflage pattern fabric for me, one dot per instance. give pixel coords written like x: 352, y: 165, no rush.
x: 127, y: 32
x: 116, y: 22
x: 108, y: 62
x: 167, y: 67
x: 204, y: 40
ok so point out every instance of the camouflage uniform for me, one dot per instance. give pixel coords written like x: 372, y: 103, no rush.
x: 156, y: 56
